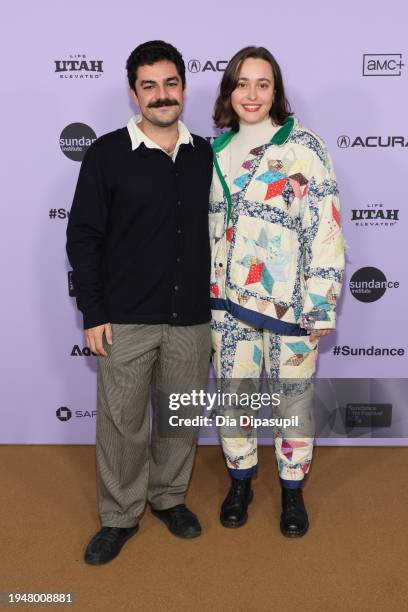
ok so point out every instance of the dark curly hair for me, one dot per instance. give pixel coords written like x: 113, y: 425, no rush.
x: 224, y: 115
x: 151, y: 52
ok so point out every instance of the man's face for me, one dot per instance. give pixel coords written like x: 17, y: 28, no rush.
x: 159, y: 93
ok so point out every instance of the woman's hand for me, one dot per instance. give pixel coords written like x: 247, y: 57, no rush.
x: 317, y: 333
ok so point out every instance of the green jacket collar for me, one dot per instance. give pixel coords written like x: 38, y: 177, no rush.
x: 279, y: 138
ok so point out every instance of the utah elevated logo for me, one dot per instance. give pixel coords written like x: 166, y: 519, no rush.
x: 77, y: 66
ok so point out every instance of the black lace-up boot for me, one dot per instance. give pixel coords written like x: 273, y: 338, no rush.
x: 180, y: 521
x: 234, y: 509
x: 107, y: 544
x: 294, y: 521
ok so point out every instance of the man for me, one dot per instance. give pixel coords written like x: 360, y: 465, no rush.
x: 139, y: 247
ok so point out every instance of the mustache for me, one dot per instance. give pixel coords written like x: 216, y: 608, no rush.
x: 163, y: 102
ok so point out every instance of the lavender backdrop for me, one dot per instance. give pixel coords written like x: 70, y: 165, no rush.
x: 323, y: 51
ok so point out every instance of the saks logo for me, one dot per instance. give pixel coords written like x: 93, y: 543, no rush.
x: 75, y: 140
x: 194, y: 65
x: 65, y: 414
x: 344, y: 142
x: 84, y: 352
x: 374, y: 215
x: 78, y: 67
x: 369, y: 284
x: 382, y: 64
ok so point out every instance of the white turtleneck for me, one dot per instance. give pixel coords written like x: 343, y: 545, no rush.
x: 248, y: 137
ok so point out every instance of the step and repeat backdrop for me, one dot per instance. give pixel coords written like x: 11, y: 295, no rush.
x: 63, y: 84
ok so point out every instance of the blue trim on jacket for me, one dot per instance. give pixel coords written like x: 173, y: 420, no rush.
x: 244, y: 473
x: 259, y: 320
x: 218, y: 304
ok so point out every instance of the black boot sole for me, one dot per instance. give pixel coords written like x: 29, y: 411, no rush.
x: 237, y: 524
x: 187, y: 535
x: 294, y: 534
x: 95, y: 559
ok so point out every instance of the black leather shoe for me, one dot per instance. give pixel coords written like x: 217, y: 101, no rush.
x: 107, y: 544
x: 180, y: 521
x: 294, y: 522
x: 234, y: 509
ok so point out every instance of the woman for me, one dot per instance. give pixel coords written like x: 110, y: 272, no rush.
x: 277, y: 268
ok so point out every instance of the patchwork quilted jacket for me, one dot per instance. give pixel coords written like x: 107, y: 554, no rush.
x: 276, y: 241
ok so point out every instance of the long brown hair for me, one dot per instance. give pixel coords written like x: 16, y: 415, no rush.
x: 224, y: 115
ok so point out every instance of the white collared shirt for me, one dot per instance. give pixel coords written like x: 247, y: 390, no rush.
x: 137, y: 137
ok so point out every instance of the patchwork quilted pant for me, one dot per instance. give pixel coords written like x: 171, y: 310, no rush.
x: 240, y: 351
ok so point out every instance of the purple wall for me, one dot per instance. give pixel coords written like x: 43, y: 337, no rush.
x: 322, y: 49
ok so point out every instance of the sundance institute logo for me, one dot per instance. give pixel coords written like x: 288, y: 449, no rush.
x: 76, y: 139
x: 369, y: 284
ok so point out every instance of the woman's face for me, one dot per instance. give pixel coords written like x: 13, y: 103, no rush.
x: 253, y: 96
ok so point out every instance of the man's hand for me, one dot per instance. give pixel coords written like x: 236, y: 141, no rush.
x: 317, y: 333
x: 94, y: 335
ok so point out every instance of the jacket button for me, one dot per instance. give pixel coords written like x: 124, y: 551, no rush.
x: 176, y: 287
x: 174, y: 315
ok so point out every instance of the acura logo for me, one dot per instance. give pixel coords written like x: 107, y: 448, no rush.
x: 194, y: 65
x: 343, y: 142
